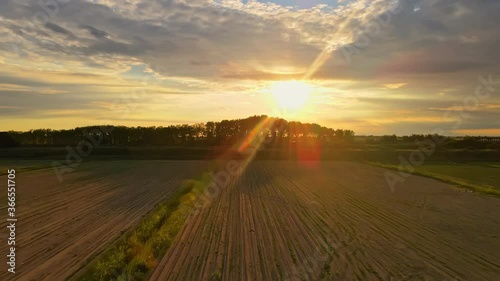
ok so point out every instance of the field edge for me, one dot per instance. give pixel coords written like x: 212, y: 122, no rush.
x: 476, y: 188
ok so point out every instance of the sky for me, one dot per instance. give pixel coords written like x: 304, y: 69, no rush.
x: 375, y: 67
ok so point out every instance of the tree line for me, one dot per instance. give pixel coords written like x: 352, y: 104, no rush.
x: 458, y: 142
x: 225, y: 132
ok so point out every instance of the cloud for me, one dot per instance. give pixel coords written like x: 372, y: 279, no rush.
x: 108, y: 46
x: 394, y: 86
x: 208, y: 47
x: 177, y: 33
x: 97, y: 33
x: 58, y: 29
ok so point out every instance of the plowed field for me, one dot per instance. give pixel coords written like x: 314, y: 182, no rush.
x: 276, y: 221
x: 336, y: 221
x: 62, y: 224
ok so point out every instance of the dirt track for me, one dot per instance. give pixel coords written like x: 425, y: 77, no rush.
x: 336, y: 221
x: 63, y: 224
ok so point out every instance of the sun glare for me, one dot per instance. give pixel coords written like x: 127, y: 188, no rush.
x: 291, y: 95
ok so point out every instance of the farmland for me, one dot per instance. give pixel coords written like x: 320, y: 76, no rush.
x: 336, y: 221
x: 476, y: 176
x: 275, y: 220
x: 63, y: 224
x: 250, y: 140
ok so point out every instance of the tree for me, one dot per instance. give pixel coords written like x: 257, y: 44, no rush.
x: 225, y: 132
x: 6, y: 140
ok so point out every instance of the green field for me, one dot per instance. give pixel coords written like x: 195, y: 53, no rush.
x: 477, y: 176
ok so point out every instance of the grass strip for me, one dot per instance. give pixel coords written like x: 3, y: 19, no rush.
x: 26, y: 169
x: 479, y: 188
x: 137, y: 252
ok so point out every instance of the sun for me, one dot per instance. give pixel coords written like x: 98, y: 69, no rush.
x: 291, y: 95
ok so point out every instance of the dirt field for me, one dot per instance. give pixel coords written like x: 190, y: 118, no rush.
x: 61, y: 225
x: 336, y: 221
x: 278, y: 221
